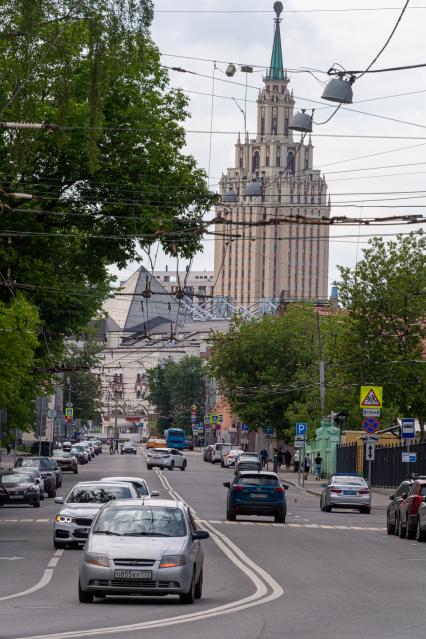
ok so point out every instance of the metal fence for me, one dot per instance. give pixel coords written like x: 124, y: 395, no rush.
x: 387, y: 469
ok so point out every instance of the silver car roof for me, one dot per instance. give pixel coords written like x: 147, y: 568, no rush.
x: 165, y: 503
x: 124, y: 479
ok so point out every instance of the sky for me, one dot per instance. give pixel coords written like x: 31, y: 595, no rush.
x: 315, y: 35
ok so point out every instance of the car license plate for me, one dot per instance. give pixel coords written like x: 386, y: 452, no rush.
x: 349, y: 492
x: 259, y: 496
x: 12, y: 496
x: 133, y: 574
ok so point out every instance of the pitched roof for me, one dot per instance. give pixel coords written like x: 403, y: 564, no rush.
x: 276, y: 68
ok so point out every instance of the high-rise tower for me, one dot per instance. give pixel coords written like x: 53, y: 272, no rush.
x: 266, y: 260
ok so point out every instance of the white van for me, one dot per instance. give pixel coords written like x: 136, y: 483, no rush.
x: 218, y: 451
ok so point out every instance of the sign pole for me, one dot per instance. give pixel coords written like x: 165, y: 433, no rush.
x: 303, y: 462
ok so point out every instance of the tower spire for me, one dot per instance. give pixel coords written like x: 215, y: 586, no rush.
x: 276, y: 69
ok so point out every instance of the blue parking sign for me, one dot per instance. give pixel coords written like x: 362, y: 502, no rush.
x: 301, y: 428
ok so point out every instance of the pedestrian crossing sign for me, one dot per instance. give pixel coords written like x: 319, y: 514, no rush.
x: 371, y: 397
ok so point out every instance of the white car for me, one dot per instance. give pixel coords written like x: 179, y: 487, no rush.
x: 232, y: 456
x: 169, y: 458
x: 137, y: 482
x: 218, y: 451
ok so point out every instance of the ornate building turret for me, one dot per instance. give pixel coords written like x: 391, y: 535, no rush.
x: 293, y: 257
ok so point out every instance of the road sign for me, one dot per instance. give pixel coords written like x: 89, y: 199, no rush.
x: 369, y: 451
x: 299, y: 443
x: 69, y: 412
x: 371, y: 397
x: 244, y: 428
x: 300, y: 438
x: 194, y: 427
x: 193, y: 418
x: 301, y: 428
x: 200, y: 426
x: 214, y: 419
x: 371, y: 412
x: 51, y: 413
x: 370, y: 438
x: 207, y: 427
x: 69, y: 404
x: 370, y: 424
x: 206, y: 419
x: 409, y: 458
x: 220, y: 419
x: 408, y: 428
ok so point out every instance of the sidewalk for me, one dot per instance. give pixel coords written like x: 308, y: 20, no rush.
x: 380, y: 496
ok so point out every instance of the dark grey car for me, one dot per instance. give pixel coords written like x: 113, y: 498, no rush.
x: 46, y: 471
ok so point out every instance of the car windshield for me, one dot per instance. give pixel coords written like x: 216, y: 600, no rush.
x: 38, y: 463
x: 258, y: 480
x: 16, y: 478
x: 98, y: 494
x: 142, y: 522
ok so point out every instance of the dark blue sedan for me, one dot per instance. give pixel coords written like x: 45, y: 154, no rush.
x: 256, y: 493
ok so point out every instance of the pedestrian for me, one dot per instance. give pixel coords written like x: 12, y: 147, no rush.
x: 318, y: 462
x: 296, y: 461
x: 307, y: 465
x: 276, y: 459
x: 111, y: 447
x: 116, y: 445
x: 264, y: 457
x: 287, y: 459
x: 8, y: 448
x: 280, y: 457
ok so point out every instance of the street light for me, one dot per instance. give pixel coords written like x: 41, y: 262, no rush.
x: 301, y: 121
x: 229, y: 197
x: 339, y: 90
x: 254, y: 189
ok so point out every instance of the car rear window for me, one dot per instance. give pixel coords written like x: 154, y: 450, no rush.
x: 423, y: 490
x: 258, y: 480
x: 348, y: 481
x: 161, y: 451
x: 98, y: 494
x: 142, y: 522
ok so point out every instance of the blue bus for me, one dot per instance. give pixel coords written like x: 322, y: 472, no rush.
x: 175, y: 438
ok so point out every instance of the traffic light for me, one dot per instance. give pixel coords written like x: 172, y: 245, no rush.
x: 68, y: 419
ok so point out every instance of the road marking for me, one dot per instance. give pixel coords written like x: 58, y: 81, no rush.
x: 26, y: 521
x: 11, y: 558
x: 266, y: 590
x: 44, y: 581
x: 271, y: 524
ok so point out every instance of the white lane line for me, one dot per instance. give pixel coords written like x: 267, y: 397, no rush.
x: 45, y: 579
x: 53, y: 562
x: 59, y: 552
x: 42, y: 521
x: 266, y: 590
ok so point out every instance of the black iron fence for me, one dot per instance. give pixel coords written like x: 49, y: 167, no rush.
x: 387, y: 469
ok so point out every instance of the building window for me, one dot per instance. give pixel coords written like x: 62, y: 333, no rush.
x: 255, y: 161
x: 286, y: 126
x: 262, y: 126
x: 290, y: 162
x: 241, y: 163
x: 274, y: 126
x: 278, y: 158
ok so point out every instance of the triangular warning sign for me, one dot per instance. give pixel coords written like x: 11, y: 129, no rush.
x: 371, y: 399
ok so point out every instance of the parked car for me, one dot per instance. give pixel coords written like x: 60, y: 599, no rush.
x: 35, y: 473
x: 259, y: 493
x: 247, y: 461
x: 19, y: 488
x: 218, y: 450
x: 57, y: 470
x: 128, y: 448
x: 421, y: 521
x: 408, y: 508
x: 189, y: 444
x: 44, y: 466
x: 346, y: 491
x: 392, y: 514
x: 207, y: 454
x: 139, y: 483
x: 80, y: 453
x: 169, y: 458
x: 73, y: 521
x: 66, y: 461
x: 66, y: 446
x: 155, y: 547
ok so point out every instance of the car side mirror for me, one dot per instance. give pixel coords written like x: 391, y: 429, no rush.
x: 323, y: 485
x: 404, y: 495
x: 155, y: 493
x: 227, y: 484
x: 391, y: 497
x: 36, y: 481
x: 285, y: 486
x: 200, y: 534
x: 59, y: 500
x: 424, y: 499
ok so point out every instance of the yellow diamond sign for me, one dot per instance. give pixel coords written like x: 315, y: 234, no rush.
x: 371, y: 397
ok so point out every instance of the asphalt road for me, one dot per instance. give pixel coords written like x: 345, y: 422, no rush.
x: 321, y: 575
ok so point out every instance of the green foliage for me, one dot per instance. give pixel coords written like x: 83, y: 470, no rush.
x: 86, y: 392
x: 174, y: 388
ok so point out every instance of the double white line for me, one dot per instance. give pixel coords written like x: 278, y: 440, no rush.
x: 266, y: 589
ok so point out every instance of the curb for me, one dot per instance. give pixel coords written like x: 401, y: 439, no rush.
x: 315, y: 493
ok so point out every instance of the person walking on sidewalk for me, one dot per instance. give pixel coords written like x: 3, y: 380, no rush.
x: 264, y: 457
x: 306, y: 466
x: 8, y: 448
x: 296, y: 461
x: 318, y: 463
x: 287, y: 459
x: 277, y: 457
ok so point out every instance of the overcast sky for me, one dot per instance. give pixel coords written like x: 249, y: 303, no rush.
x: 315, y: 34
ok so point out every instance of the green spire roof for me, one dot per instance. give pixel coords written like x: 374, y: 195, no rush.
x: 276, y: 69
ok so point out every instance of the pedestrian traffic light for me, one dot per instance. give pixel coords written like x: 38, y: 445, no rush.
x: 68, y: 419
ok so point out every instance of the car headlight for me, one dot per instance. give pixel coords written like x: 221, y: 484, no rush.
x: 61, y: 519
x: 172, y: 561
x: 97, y: 560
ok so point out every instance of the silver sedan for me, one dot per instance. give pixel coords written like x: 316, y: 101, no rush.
x: 346, y: 491
x: 169, y: 458
x: 143, y: 547
x: 139, y: 483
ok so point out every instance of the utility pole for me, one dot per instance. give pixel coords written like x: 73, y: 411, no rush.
x: 321, y: 367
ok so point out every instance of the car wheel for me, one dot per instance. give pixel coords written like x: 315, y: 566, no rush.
x: 280, y: 518
x: 188, y: 597
x: 83, y: 596
x: 420, y: 534
x: 411, y: 531
x: 36, y: 504
x: 199, y: 586
x: 327, y: 509
x: 42, y: 496
x: 230, y: 515
x: 183, y: 467
x: 172, y: 465
x: 402, y: 530
x: 390, y: 528
x: 75, y: 471
x: 365, y: 509
x: 51, y: 493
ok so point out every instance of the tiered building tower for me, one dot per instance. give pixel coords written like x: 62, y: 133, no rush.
x: 267, y: 260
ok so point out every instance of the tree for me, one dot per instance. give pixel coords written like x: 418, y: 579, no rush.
x: 176, y: 387
x: 386, y: 296
x: 86, y: 392
x: 112, y: 178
